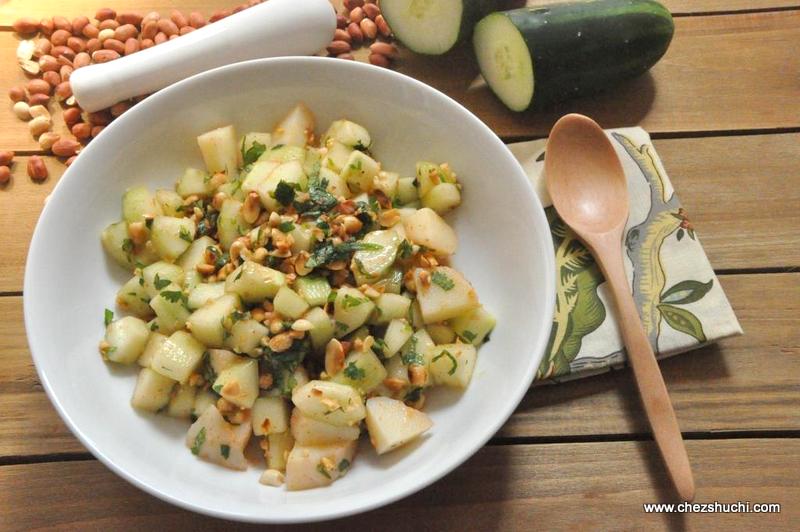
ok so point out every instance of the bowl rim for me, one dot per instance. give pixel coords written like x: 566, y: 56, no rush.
x: 514, y: 395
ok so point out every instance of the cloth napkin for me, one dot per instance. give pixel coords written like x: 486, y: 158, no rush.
x: 680, y: 299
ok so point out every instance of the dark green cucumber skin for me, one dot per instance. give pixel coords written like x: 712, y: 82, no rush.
x: 583, y: 48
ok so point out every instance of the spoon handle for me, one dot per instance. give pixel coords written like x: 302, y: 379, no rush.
x: 648, y: 376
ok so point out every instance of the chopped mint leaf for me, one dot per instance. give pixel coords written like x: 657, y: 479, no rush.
x: 442, y: 280
x: 343, y: 465
x: 225, y: 451
x: 252, y: 154
x: 185, y: 235
x: 108, y: 317
x: 453, y: 361
x: 284, y: 193
x: 353, y: 372
x: 199, y: 440
x: 468, y: 335
x: 160, y: 283
x: 286, y: 227
x: 350, y: 301
x: 322, y: 471
x: 405, y: 250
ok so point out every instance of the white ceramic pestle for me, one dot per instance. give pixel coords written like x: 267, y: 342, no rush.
x: 274, y: 28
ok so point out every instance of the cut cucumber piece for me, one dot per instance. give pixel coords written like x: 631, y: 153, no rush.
x: 159, y: 275
x: 442, y: 198
x: 296, y: 128
x: 127, y: 338
x: 138, y: 202
x: 178, y: 356
x: 230, y: 223
x: 536, y: 56
x: 434, y: 26
x: 204, y: 293
x: 372, y: 263
x: 152, y: 391
x: 254, y: 283
x: 289, y: 304
x: 221, y: 151
x: 323, y: 329
x: 194, y: 182
x: 172, y: 236
x: 348, y: 133
x: 406, y: 191
x: 315, y: 290
x: 473, y: 326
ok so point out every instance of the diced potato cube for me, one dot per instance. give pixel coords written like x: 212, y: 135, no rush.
x: 152, y: 392
x: 220, y: 150
x: 360, y: 171
x: 426, y: 228
x: 312, y: 467
x: 172, y: 236
x: 206, y: 323
x: 270, y: 415
x: 216, y: 440
x: 350, y: 310
x: 309, y: 431
x: 238, y: 383
x: 254, y: 283
x: 127, y: 338
x: 330, y: 402
x: 443, y: 293
x: 391, y: 423
x: 289, y: 303
x: 178, y: 357
x: 452, y: 364
x: 181, y: 404
x: 296, y: 128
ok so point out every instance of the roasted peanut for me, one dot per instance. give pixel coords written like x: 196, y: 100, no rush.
x: 63, y: 90
x: 341, y: 35
x: 383, y: 26
x: 251, y: 207
x: 357, y: 15
x: 160, y: 38
x: 341, y: 21
x: 62, y: 23
x: 17, y: 94
x: 81, y: 60
x: 40, y: 110
x: 113, y: 44
x: 78, y: 23
x: 371, y: 11
x: 186, y: 29
x: 66, y: 147
x: 46, y: 26
x: 178, y: 18
x: 52, y: 78
x: 167, y: 27
x: 96, y: 130
x: 43, y: 47
x: 90, y: 31
x: 131, y: 46
x: 105, y: 34
x: 149, y: 30
x: 108, y: 25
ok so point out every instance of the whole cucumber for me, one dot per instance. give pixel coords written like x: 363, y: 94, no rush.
x: 536, y: 56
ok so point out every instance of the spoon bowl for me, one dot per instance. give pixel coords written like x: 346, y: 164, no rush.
x: 593, y: 201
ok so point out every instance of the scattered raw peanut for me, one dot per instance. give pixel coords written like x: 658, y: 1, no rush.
x: 6, y: 157
x: 52, y: 77
x: 47, y: 139
x: 46, y: 26
x: 356, y: 35
x: 383, y: 26
x: 379, y: 60
x: 167, y: 27
x: 371, y: 11
x: 63, y: 90
x: 154, y: 16
x: 341, y: 35
x: 357, y: 15
x: 66, y: 147
x: 17, y: 94
x: 93, y: 45
x: 178, y: 18
x: 62, y: 23
x: 63, y: 51
x: 105, y: 13
x: 352, y: 4
x: 40, y: 110
x: 90, y: 31
x: 36, y: 168
x: 104, y: 56
x: 39, y: 125
x: 38, y: 86
x: 96, y: 130
x: 99, y: 118
x: 72, y: 116
x: 186, y: 29
x: 38, y: 99
x: 338, y: 47
x: 108, y: 25
x: 149, y: 30
x: 171, y: 37
x: 341, y: 22
x: 30, y: 66
x: 43, y: 47
x: 118, y: 108
x: 71, y: 160
x: 66, y: 72
x: 128, y: 18
x: 105, y: 34
x: 113, y: 44
x: 196, y: 20
x: 78, y: 23
x: 77, y: 44
x: 147, y: 43
x: 81, y: 60
x: 59, y: 37
x: 348, y: 56
x: 66, y: 58
x: 384, y: 48
x: 369, y: 28
x: 81, y: 130
x: 26, y: 25
x: 5, y: 175
x: 125, y: 32
x: 160, y: 38
x: 132, y: 46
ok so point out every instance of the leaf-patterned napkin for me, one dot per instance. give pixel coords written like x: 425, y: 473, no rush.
x: 680, y: 300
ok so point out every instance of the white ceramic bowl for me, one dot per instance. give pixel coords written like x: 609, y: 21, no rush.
x: 505, y: 250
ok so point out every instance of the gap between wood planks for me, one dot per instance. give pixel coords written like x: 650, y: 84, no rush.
x: 499, y: 441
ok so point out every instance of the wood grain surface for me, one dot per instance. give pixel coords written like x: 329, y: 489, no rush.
x: 583, y: 486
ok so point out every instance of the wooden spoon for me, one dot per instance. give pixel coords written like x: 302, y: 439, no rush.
x: 589, y: 190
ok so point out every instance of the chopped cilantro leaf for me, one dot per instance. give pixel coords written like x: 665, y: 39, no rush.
x: 199, y: 440
x: 453, y: 361
x: 284, y: 193
x: 252, y: 154
x: 360, y: 147
x: 286, y: 227
x: 331, y: 296
x: 319, y: 199
x: 217, y: 388
x: 225, y: 451
x: 468, y: 335
x: 412, y: 357
x: 405, y: 249
x: 350, y: 301
x: 160, y: 283
x: 108, y: 317
x: 127, y: 245
x: 322, y: 471
x: 175, y: 296
x: 442, y: 280
x: 141, y: 281
x: 353, y: 372
x: 154, y: 326
x: 343, y: 465
x: 237, y: 315
x: 186, y: 235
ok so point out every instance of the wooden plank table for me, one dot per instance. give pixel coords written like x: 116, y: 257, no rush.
x: 724, y: 108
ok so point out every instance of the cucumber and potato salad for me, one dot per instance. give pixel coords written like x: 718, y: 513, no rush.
x: 293, y: 293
